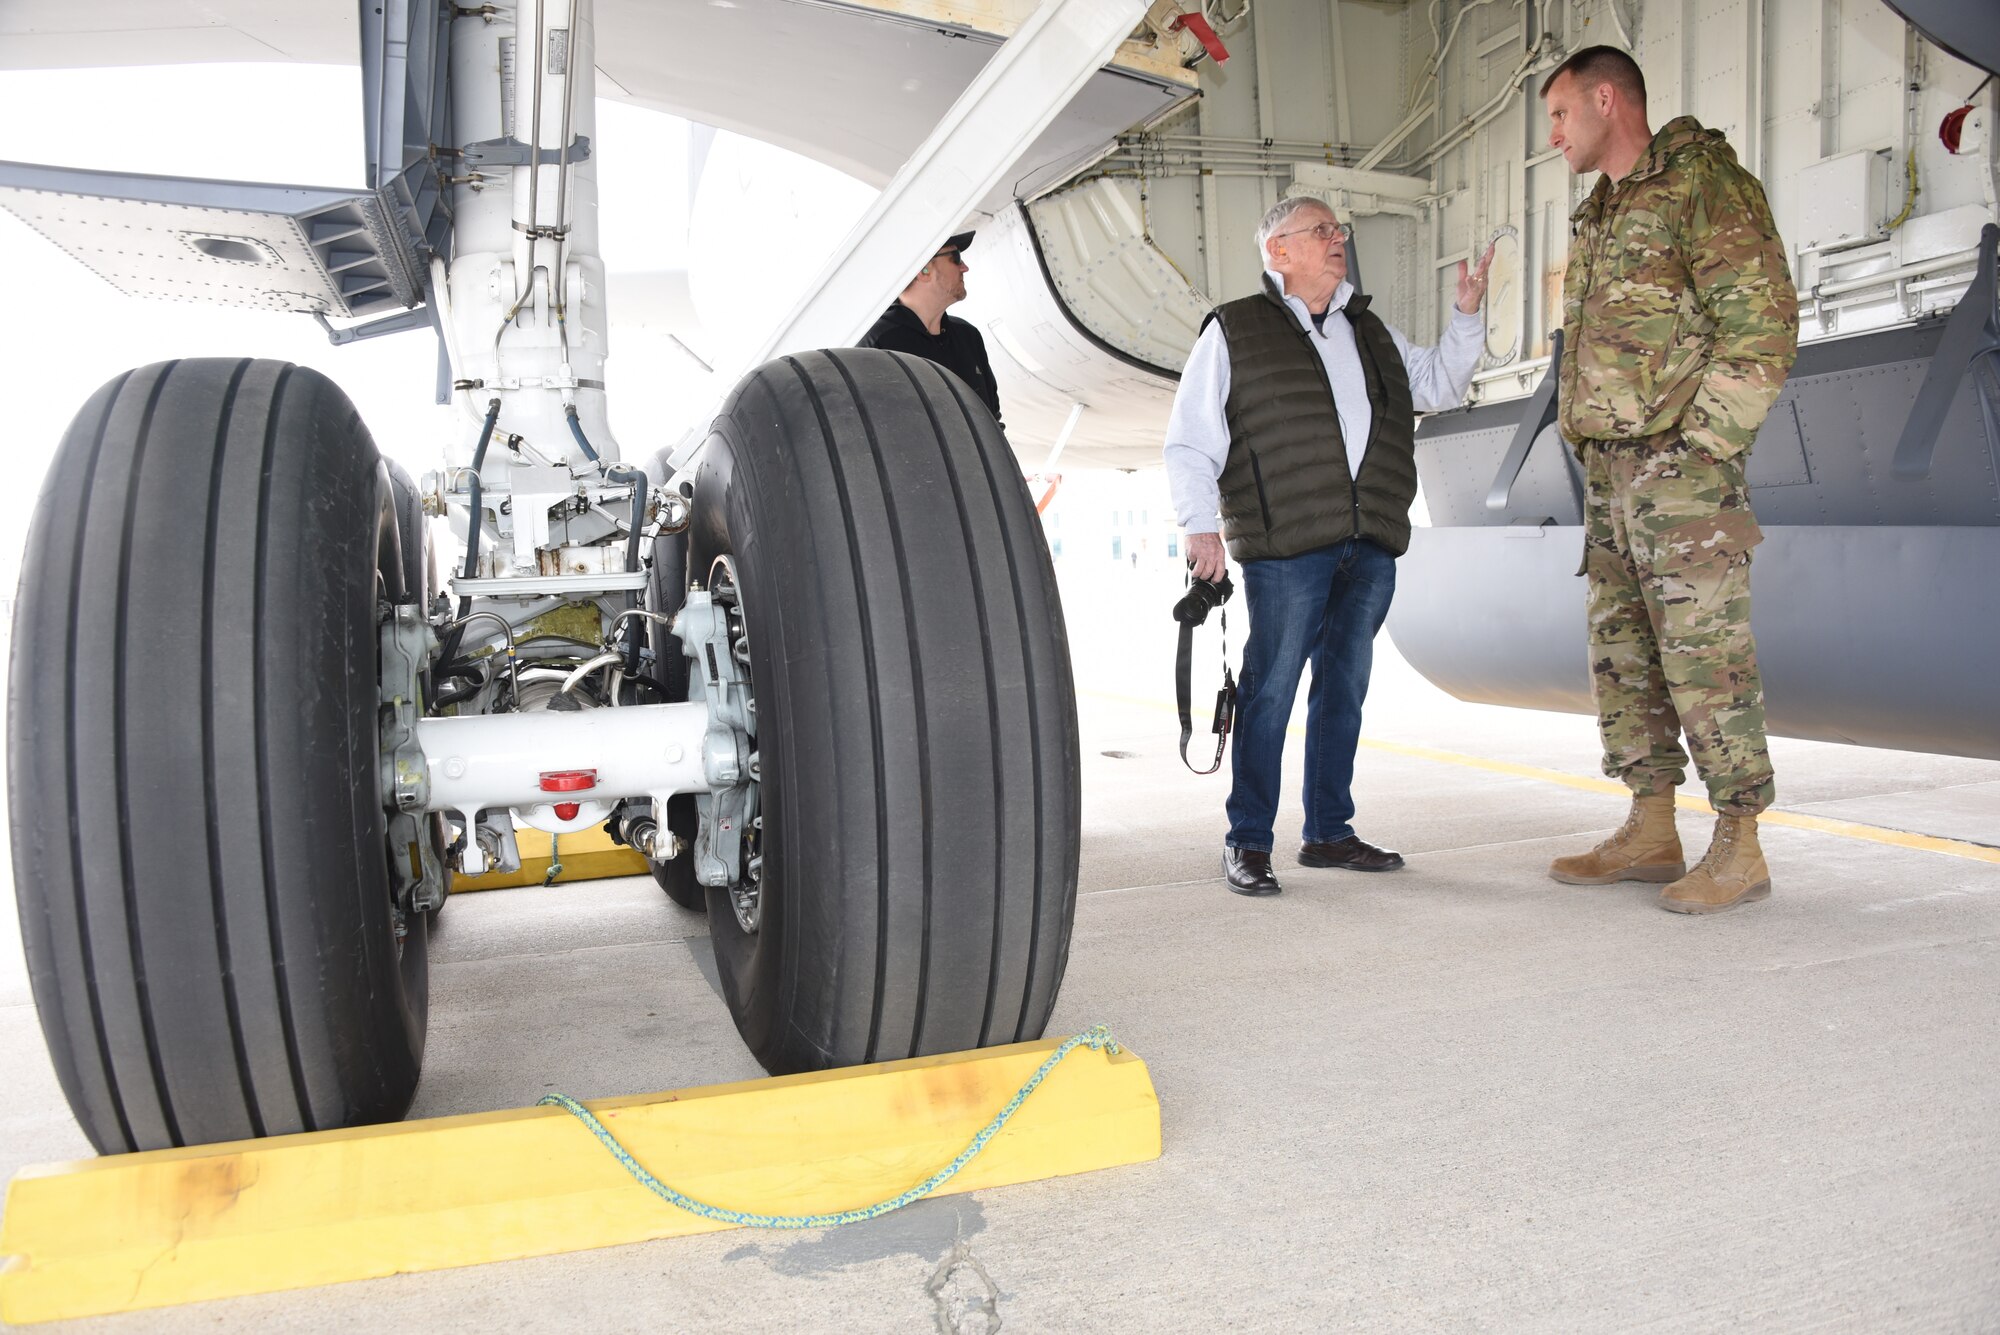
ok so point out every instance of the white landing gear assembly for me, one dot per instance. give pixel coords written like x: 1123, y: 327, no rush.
x: 812, y: 666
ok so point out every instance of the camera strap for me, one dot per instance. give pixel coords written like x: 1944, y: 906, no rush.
x: 1225, y: 699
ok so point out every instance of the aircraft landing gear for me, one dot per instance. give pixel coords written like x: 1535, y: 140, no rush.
x: 228, y: 793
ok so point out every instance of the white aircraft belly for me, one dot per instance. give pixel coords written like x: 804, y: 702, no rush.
x: 853, y: 86
x: 1078, y: 309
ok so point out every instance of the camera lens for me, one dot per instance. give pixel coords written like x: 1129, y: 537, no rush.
x: 1201, y: 598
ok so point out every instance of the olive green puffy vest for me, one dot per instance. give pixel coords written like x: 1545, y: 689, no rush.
x: 1286, y: 487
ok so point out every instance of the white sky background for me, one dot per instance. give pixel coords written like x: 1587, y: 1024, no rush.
x: 301, y: 124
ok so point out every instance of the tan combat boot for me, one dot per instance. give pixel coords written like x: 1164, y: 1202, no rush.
x: 1732, y: 872
x: 1646, y: 847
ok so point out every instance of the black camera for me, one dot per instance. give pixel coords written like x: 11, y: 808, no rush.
x: 1202, y: 598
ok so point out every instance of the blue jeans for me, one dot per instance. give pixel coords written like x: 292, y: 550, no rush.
x: 1324, y: 606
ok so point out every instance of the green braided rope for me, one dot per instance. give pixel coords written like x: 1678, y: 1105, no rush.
x: 1097, y: 1038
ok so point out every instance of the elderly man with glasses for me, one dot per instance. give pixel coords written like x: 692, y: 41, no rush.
x: 916, y: 323
x: 1295, y: 422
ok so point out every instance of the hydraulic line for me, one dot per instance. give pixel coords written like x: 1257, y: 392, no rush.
x: 1909, y: 197
x: 538, y: 57
x: 507, y: 632
x: 559, y: 276
x: 582, y: 441
x: 637, y: 477
x: 475, y: 522
x: 619, y: 473
x: 467, y: 686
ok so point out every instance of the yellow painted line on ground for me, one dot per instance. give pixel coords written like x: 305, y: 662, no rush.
x: 1874, y: 834
x: 135, y: 1231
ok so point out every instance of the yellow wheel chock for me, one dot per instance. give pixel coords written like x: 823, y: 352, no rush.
x: 134, y: 1231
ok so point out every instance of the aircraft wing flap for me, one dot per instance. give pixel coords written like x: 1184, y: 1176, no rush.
x: 228, y: 243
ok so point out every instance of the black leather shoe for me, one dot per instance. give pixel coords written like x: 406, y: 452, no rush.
x: 1352, y: 853
x: 1249, y: 871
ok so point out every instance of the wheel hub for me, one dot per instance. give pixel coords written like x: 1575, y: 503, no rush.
x: 728, y: 850
x: 403, y: 777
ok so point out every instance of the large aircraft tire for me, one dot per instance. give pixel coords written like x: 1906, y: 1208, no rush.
x: 199, y: 848
x: 412, y: 535
x: 666, y: 583
x: 916, y: 721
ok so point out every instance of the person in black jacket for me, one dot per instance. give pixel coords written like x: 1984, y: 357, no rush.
x: 916, y: 323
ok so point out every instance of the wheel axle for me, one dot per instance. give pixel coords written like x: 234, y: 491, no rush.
x: 508, y: 760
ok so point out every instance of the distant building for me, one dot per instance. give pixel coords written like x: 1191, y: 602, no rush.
x: 1104, y: 517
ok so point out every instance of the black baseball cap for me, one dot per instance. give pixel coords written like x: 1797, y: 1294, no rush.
x: 960, y: 242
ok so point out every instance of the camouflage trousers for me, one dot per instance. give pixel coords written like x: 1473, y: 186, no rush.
x: 1667, y: 539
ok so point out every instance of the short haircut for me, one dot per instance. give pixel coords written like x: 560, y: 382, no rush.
x: 1283, y: 212
x: 1602, y: 64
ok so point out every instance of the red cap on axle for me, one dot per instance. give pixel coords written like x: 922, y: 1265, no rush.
x: 568, y: 781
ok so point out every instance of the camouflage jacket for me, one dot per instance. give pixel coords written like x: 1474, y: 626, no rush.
x: 1678, y: 307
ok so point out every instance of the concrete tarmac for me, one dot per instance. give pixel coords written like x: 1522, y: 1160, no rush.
x: 1459, y: 1097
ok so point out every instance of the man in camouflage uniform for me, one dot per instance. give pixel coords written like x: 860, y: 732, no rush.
x: 1680, y: 323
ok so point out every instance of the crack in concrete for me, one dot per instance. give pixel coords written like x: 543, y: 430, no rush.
x: 1894, y: 792
x: 1957, y: 892
x: 1151, y: 885
x: 966, y: 1300
x: 1859, y: 956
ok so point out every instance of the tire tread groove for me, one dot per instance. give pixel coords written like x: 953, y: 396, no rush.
x: 1033, y: 694
x: 121, y: 660
x: 992, y: 709
x: 71, y: 706
x: 260, y: 746
x: 874, y: 706
x: 911, y: 623
x: 218, y: 900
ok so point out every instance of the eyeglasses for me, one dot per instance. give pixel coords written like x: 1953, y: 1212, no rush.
x: 1324, y: 231
x: 951, y: 255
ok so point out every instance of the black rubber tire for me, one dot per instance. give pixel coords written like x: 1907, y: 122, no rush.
x: 666, y: 585
x: 917, y: 723
x: 412, y: 536
x: 199, y: 853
